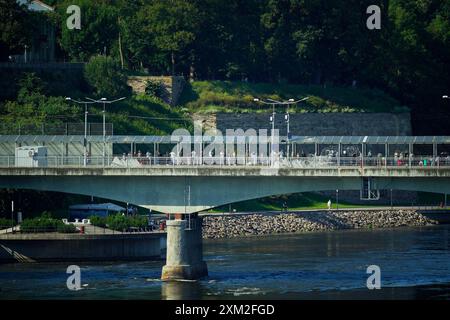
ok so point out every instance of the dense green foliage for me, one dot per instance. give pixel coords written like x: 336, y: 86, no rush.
x: 45, y: 223
x: 33, y: 107
x: 119, y: 222
x: 15, y: 28
x: 66, y: 228
x: 154, y: 88
x: 6, y: 223
x: 106, y: 77
x: 320, y: 42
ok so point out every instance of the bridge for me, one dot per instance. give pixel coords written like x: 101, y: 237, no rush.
x: 184, y: 182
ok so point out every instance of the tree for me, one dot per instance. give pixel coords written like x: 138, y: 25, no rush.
x: 15, y: 28
x: 173, y: 25
x: 104, y: 74
x: 98, y: 33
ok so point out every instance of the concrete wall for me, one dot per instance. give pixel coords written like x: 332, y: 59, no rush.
x: 315, y: 124
x: 173, y: 86
x: 73, y: 247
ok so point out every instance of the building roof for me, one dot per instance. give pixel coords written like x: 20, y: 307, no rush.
x: 38, y: 139
x: 36, y: 5
x: 97, y: 206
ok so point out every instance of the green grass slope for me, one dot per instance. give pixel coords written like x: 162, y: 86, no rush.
x: 235, y: 96
x: 142, y: 115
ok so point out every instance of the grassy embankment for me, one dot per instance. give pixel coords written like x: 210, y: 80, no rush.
x: 229, y: 97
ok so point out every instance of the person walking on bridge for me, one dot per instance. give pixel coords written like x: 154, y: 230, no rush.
x: 329, y: 204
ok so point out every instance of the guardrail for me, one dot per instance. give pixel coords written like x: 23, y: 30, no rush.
x: 81, y: 229
x: 264, y: 161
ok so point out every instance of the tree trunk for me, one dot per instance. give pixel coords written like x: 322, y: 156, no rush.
x: 173, y: 63
x: 120, y: 48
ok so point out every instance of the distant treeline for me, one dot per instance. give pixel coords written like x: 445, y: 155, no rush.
x: 322, y: 42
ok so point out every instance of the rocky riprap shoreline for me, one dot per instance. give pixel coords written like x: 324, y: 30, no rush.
x: 230, y: 226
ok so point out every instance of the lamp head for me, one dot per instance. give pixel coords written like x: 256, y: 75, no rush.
x: 68, y: 98
x: 255, y: 99
x: 103, y: 99
x: 291, y: 100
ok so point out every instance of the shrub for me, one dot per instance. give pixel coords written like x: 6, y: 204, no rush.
x: 120, y: 222
x: 98, y: 221
x: 154, y: 88
x: 40, y: 224
x: 66, y: 228
x: 105, y: 76
x: 6, y: 223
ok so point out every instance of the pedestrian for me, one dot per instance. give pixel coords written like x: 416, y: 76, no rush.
x: 329, y: 204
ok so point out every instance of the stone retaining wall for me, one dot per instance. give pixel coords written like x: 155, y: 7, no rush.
x: 257, y: 224
x: 314, y: 124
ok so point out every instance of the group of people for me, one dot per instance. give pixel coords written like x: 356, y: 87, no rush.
x: 279, y: 158
x: 221, y: 158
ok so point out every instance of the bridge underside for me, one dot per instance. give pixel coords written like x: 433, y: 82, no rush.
x: 187, y: 194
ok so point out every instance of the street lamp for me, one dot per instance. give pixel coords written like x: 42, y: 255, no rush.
x: 85, y: 124
x: 445, y: 97
x: 104, y: 101
x: 286, y: 117
x: 272, y: 120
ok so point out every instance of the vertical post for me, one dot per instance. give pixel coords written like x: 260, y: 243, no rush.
x: 392, y: 204
x: 410, y: 152
x: 104, y: 132
x: 12, y: 215
x: 337, y: 199
x: 339, y: 155
x: 363, y: 150
x: 287, y: 134
x: 386, y: 154
x: 434, y: 154
x: 85, y: 133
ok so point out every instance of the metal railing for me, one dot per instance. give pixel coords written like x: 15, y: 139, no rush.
x: 87, y: 229
x: 120, y: 161
x: 68, y: 128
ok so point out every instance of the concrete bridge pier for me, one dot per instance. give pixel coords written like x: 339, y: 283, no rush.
x: 184, y: 259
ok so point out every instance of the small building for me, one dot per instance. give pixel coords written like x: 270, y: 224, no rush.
x: 31, y: 156
x: 84, y: 211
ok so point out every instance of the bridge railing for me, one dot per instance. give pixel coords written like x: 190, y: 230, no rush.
x: 221, y: 161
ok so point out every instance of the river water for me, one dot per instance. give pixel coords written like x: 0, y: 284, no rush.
x: 414, y: 263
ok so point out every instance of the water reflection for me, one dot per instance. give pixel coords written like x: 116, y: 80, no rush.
x: 181, y: 290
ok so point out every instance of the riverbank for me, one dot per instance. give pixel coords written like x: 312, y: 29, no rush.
x: 231, y: 226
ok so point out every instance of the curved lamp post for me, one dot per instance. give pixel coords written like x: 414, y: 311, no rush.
x: 85, y: 124
x: 105, y: 101
x: 273, y: 102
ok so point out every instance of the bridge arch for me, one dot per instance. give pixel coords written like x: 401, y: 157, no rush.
x: 180, y: 194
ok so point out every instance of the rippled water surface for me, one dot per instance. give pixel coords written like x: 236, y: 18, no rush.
x: 414, y: 262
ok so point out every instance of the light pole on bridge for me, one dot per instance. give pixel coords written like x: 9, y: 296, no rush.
x: 105, y: 101
x: 85, y: 124
x: 273, y: 103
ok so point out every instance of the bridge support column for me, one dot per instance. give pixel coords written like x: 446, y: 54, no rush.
x: 184, y: 259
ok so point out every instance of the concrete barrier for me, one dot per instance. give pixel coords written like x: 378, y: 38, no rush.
x: 77, y: 247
